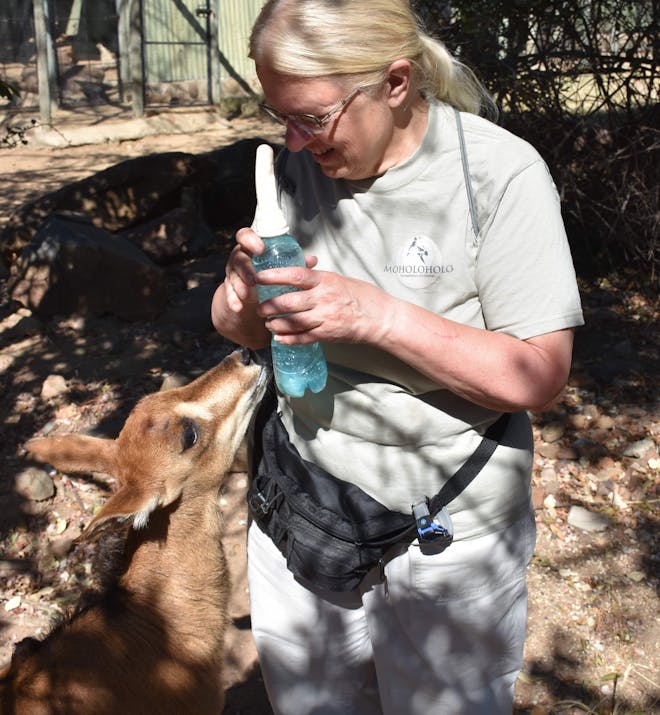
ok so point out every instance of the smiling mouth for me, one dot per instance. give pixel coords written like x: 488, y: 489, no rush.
x: 321, y: 154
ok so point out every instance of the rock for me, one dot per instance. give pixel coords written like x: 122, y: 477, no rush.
x: 582, y: 518
x: 13, y: 603
x: 606, y: 464
x: 62, y: 547
x: 217, y: 185
x: 549, y: 504
x: 591, y: 411
x: 589, y: 449
x: 54, y: 386
x: 34, y: 484
x: 548, y: 475
x: 229, y: 200
x: 549, y: 451
x: 176, y: 235
x: 20, y: 324
x: 633, y: 411
x: 578, y: 421
x: 624, y: 348
x: 552, y: 432
x: 94, y: 248
x: 639, y: 448
x: 538, y: 495
x: 73, y: 267
x: 604, y: 422
x: 567, y: 453
x: 190, y: 310
x: 605, y: 486
x: 124, y: 195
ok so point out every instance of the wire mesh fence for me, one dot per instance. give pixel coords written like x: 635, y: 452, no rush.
x: 84, y: 52
x: 18, y: 63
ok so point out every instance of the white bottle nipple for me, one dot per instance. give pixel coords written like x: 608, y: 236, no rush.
x: 268, y: 218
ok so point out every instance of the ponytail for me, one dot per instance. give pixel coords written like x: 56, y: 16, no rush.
x: 446, y: 78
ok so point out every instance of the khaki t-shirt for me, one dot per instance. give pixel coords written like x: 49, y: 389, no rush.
x: 379, y: 423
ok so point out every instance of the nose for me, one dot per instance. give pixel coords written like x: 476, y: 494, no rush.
x: 296, y: 138
x: 261, y: 356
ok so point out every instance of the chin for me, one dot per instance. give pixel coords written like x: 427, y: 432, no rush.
x: 333, y: 172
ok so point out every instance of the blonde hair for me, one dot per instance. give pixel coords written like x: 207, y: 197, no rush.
x: 318, y: 38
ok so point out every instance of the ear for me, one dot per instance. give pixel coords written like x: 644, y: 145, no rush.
x: 126, y: 503
x: 398, y: 84
x: 74, y: 453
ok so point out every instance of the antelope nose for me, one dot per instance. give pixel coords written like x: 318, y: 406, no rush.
x: 261, y: 356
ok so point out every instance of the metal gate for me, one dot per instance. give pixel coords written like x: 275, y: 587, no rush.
x: 178, y: 38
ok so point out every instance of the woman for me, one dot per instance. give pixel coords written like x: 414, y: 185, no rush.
x: 434, y: 319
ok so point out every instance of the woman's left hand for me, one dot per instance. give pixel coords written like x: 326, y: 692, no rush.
x: 326, y: 306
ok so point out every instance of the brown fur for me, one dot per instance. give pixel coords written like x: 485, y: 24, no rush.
x: 154, y: 641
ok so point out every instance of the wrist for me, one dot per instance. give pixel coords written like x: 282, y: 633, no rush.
x: 383, y: 319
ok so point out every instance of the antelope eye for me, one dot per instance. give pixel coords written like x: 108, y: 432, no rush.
x: 189, y: 434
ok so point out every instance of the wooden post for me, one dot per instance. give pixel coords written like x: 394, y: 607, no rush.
x: 123, y: 46
x: 135, y: 52
x: 45, y: 62
x: 214, y: 54
x: 73, y: 23
x: 124, y: 62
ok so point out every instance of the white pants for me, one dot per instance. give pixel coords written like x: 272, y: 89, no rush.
x: 442, y: 635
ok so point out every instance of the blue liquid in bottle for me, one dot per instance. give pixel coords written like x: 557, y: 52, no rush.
x: 296, y: 367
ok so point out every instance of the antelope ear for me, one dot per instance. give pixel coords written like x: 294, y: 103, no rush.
x: 75, y: 452
x: 127, y: 502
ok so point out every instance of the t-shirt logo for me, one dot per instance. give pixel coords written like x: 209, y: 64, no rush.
x: 418, y: 263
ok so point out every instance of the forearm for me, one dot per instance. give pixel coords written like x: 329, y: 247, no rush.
x: 490, y: 369
x: 242, y: 326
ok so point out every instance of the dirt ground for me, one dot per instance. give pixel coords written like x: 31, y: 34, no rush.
x: 594, y: 622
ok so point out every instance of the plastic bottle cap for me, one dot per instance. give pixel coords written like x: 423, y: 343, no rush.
x: 268, y: 218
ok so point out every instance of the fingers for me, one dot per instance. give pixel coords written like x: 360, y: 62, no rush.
x: 248, y: 240
x: 295, y: 329
x: 233, y: 300
x: 334, y: 309
x: 239, y: 280
x: 300, y: 316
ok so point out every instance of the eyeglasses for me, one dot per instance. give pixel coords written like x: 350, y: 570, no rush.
x: 308, y: 123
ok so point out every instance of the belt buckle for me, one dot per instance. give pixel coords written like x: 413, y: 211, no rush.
x: 436, y: 529
x: 259, y: 504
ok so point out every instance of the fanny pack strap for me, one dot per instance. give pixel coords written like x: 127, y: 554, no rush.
x: 475, y: 463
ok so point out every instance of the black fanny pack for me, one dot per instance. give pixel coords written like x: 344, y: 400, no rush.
x: 332, y: 533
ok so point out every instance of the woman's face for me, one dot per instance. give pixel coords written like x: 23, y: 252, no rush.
x: 358, y: 140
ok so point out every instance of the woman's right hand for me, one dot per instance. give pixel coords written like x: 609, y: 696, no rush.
x: 240, y: 282
x: 234, y: 305
x: 235, y: 302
